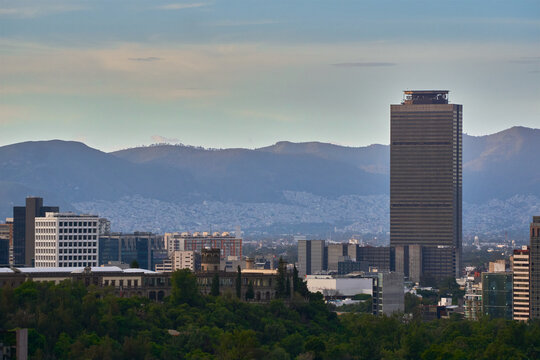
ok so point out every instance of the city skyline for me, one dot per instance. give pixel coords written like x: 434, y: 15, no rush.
x: 257, y: 179
x: 137, y: 73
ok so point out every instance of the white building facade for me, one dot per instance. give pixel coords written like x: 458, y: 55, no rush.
x: 67, y: 240
x: 178, y: 260
x: 521, y: 288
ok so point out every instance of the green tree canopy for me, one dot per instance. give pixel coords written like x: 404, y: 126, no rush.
x: 184, y: 288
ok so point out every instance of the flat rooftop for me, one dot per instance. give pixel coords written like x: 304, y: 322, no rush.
x: 73, y: 270
x: 425, y: 92
x: 425, y: 97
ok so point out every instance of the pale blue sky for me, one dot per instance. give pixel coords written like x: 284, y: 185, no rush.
x: 248, y: 73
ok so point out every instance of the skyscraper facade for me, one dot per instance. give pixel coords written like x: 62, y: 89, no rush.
x: 426, y: 185
x: 534, y: 259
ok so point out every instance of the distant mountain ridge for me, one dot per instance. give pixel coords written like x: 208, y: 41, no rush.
x: 497, y: 166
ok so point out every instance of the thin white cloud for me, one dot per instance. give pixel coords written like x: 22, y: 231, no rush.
x: 365, y: 64
x: 146, y: 59
x: 526, y: 60
x: 211, y: 71
x: 244, y: 23
x: 181, y: 6
x: 38, y: 9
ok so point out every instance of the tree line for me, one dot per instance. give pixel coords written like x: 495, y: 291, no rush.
x: 71, y: 321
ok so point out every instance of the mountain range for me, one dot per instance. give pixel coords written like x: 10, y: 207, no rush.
x: 198, y: 185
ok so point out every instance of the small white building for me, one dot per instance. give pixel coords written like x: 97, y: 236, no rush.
x: 66, y: 240
x: 178, y: 260
x: 339, y: 286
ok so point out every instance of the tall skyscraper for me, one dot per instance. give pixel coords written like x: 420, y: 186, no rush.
x: 425, y: 185
x: 24, y: 229
x: 535, y: 268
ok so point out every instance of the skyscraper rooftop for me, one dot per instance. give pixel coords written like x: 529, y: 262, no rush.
x: 425, y: 97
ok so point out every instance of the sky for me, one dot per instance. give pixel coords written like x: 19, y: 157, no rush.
x: 249, y: 73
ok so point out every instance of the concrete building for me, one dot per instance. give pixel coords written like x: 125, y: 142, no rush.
x: 210, y: 260
x: 535, y: 268
x: 263, y: 282
x: 377, y: 257
x: 426, y: 185
x: 388, y: 294
x: 360, y: 258
x: 66, y: 240
x: 185, y: 241
x: 311, y: 257
x: 104, y: 226
x: 178, y: 260
x: 232, y: 263
x: 125, y: 282
x: 472, y: 301
x: 521, y: 289
x: 184, y: 260
x: 145, y: 248
x: 336, y: 253
x: 349, y: 266
x: 339, y: 287
x: 497, y: 295
x: 141, y: 282
x: 24, y: 227
x: 497, y: 265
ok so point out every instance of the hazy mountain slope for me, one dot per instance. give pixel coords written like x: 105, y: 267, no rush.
x: 76, y: 172
x: 13, y: 194
x: 501, y: 165
x: 374, y: 158
x: 317, y: 181
x: 251, y: 175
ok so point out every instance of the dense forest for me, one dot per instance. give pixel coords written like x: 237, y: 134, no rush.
x: 70, y: 321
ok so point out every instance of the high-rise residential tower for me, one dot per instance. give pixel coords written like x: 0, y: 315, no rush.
x: 521, y: 291
x: 425, y: 185
x: 534, y: 259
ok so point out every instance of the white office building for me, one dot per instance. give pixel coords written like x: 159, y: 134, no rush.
x: 66, y: 240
